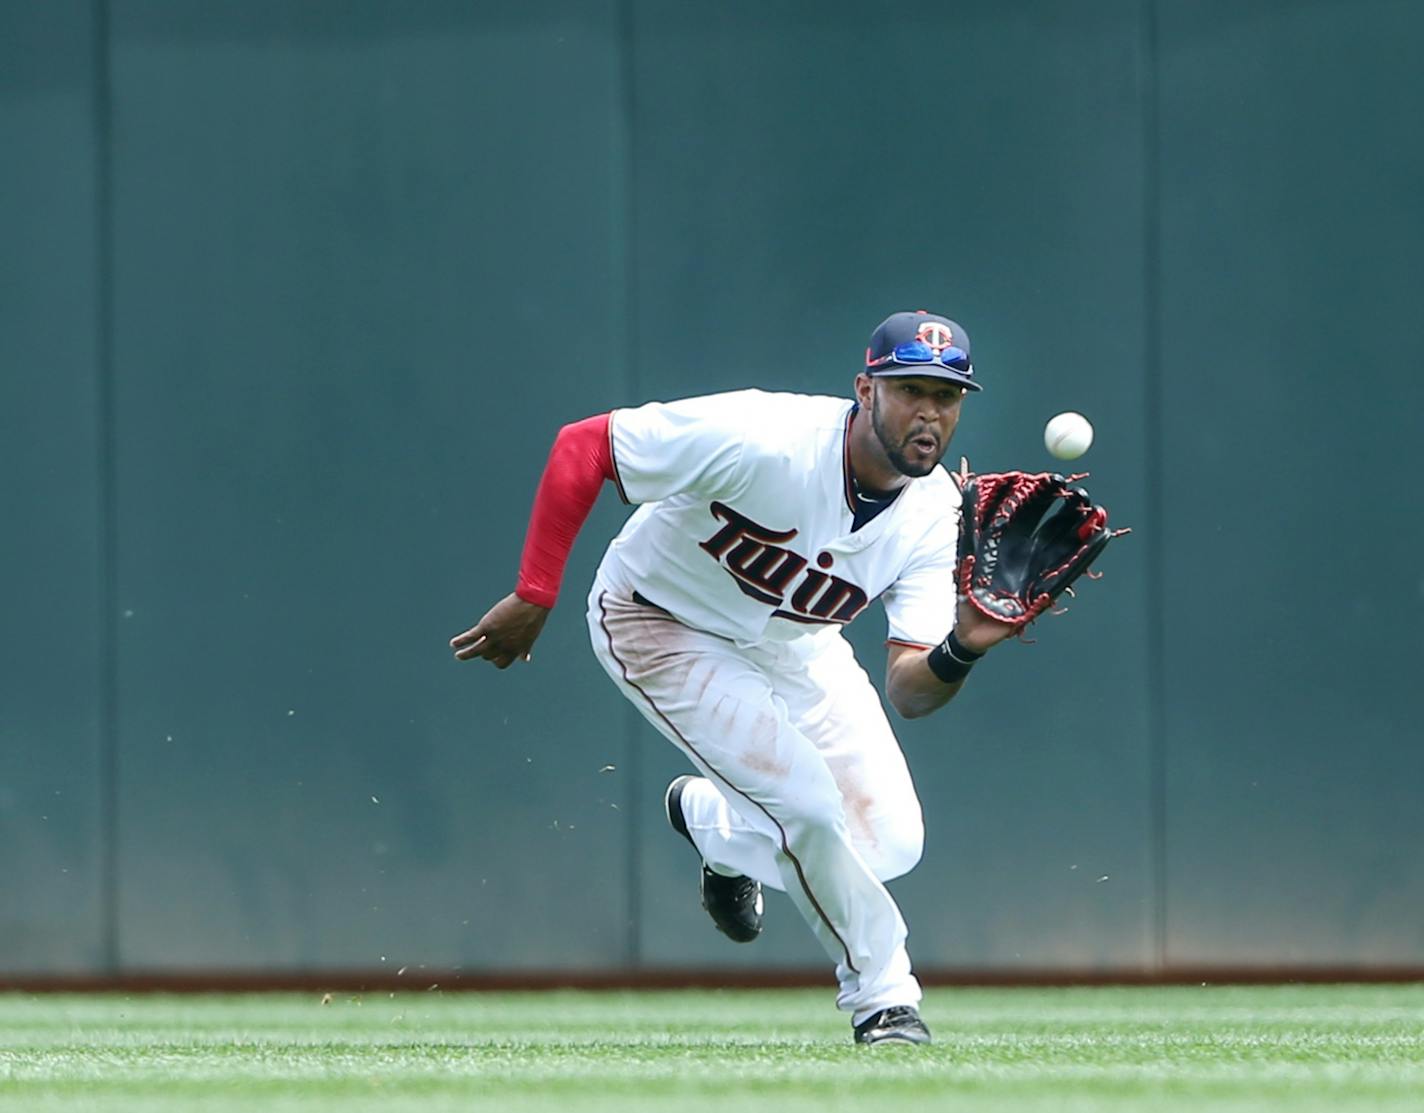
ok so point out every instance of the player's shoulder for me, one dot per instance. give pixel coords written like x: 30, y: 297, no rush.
x: 772, y: 407
x: 775, y: 415
x: 767, y: 416
x: 789, y: 428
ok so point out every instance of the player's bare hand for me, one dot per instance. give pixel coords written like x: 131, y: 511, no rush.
x: 976, y: 631
x: 505, y: 634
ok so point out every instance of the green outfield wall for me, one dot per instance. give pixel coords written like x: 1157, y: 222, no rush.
x: 294, y: 296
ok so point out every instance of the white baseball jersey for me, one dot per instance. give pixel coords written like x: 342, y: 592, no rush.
x: 746, y: 525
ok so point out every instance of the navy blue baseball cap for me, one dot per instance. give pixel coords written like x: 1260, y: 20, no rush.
x: 921, y: 343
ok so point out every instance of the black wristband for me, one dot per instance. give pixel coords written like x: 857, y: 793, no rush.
x: 950, y: 661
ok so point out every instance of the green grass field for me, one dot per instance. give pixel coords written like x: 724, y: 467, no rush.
x: 1302, y: 1048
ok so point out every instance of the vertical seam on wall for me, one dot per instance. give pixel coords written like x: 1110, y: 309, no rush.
x: 627, y: 229
x: 1156, y: 470
x: 107, y: 624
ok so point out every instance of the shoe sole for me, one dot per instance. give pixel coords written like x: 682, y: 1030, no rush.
x: 883, y: 1041
x: 904, y: 1029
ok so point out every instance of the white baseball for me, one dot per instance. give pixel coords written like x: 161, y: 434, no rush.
x: 1068, y: 435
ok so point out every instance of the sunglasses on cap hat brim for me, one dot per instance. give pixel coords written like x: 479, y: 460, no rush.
x: 908, y: 359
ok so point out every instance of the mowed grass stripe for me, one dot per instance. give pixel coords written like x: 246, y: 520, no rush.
x: 1223, y: 1049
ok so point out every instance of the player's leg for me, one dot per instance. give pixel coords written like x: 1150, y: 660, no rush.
x: 833, y: 702
x: 733, y: 900
x: 715, y: 702
x: 835, y: 705
x: 729, y: 842
x: 704, y: 694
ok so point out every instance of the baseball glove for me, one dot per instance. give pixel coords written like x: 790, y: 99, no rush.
x: 1023, y: 539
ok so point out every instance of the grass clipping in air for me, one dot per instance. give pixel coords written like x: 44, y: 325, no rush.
x: 1194, y: 1050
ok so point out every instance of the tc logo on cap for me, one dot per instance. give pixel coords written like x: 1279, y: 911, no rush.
x: 936, y: 334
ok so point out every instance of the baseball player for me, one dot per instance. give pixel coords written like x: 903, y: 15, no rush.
x: 766, y: 523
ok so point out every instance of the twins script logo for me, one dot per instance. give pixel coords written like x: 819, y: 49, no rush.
x: 767, y: 572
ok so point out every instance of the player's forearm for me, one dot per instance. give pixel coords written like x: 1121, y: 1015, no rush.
x: 914, y: 690
x: 579, y: 462
x: 924, y: 681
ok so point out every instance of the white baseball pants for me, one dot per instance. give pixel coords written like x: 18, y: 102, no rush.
x: 804, y: 787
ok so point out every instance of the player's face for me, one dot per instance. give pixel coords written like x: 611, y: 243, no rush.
x: 913, y: 417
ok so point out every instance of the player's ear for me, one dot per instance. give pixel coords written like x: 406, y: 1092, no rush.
x: 864, y: 390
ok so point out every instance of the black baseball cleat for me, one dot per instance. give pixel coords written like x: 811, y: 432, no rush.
x: 897, y: 1024
x: 734, y: 903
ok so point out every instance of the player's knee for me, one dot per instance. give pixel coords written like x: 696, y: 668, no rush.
x: 813, y: 818
x: 898, y: 847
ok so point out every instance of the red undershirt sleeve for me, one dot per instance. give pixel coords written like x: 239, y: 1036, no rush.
x: 579, y: 462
